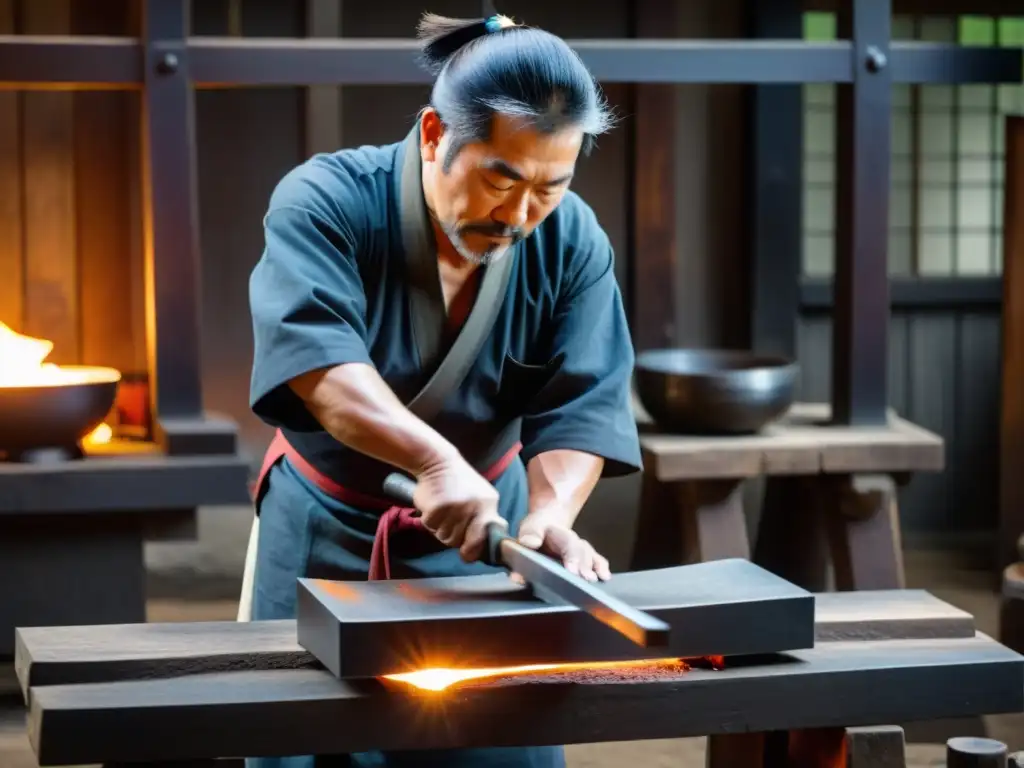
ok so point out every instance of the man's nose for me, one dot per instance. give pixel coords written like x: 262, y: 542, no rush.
x: 514, y: 213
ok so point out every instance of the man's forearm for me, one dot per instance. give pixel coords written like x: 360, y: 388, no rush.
x: 561, y: 481
x: 358, y: 409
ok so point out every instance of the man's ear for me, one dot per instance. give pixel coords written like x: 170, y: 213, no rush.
x: 431, y: 133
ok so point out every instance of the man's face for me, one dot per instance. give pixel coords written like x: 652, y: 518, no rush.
x: 495, y: 193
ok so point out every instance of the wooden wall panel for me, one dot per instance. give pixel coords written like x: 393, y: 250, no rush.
x: 942, y: 375
x: 109, y: 248
x: 247, y: 139
x: 654, y: 240
x: 12, y: 265
x: 51, y: 259
x: 973, y: 459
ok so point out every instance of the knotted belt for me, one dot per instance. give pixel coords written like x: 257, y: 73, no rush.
x: 393, y: 519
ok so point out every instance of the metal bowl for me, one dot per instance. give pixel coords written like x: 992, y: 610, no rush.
x: 714, y: 392
x: 56, y: 416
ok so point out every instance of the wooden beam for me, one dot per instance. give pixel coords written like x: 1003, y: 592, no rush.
x: 290, y: 712
x: 653, y: 238
x: 103, y: 654
x: 12, y: 256
x: 51, y: 251
x: 1011, y: 429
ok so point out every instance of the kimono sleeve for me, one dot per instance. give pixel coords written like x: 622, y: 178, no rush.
x: 308, y: 310
x: 586, y: 404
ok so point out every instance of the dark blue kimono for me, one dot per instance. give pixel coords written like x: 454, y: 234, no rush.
x: 333, y: 287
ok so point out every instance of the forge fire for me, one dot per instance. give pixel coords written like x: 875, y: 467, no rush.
x: 46, y: 405
x: 440, y: 679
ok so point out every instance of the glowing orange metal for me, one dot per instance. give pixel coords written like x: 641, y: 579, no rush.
x: 438, y: 679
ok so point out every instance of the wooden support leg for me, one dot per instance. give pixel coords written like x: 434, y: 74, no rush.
x: 738, y: 749
x: 881, y: 746
x: 65, y: 570
x: 816, y: 748
x: 690, y: 522
x: 862, y: 519
x: 790, y: 538
x: 713, y: 524
x: 658, y: 542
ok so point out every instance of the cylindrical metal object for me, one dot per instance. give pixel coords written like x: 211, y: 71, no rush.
x: 971, y: 752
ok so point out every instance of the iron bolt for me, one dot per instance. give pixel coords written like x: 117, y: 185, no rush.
x: 168, y: 64
x: 875, y: 60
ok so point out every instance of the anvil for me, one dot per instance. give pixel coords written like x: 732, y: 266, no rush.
x: 368, y: 629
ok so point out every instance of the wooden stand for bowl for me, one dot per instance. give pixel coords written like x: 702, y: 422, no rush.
x: 830, y: 494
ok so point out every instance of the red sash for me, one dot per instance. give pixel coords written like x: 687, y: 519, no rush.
x: 393, y: 519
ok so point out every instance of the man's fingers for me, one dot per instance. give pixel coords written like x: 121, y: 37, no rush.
x: 476, y: 536
x: 601, y: 567
x: 458, y: 533
x: 473, y: 543
x: 532, y: 538
x: 587, y: 561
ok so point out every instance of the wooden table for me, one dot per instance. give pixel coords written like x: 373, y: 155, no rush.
x: 167, y: 692
x: 825, y: 484
x: 72, y: 533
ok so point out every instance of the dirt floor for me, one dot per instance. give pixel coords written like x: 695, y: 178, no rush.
x: 947, y: 578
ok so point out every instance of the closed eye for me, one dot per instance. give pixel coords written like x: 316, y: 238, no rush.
x: 494, y: 186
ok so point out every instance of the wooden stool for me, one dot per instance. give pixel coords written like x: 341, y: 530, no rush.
x: 830, y: 495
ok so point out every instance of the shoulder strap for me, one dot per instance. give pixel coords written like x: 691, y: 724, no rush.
x: 428, y: 312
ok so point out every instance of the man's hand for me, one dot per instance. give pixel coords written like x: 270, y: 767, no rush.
x: 456, y: 505
x: 547, y: 533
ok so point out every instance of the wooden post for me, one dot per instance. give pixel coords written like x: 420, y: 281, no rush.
x: 1011, y: 428
x: 323, y: 102
x: 860, y: 319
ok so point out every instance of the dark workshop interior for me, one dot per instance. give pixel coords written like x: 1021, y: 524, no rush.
x: 833, y: 189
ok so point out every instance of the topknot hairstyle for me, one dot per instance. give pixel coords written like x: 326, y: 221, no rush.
x: 492, y: 65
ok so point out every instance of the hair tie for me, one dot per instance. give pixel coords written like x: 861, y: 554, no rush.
x: 498, y: 22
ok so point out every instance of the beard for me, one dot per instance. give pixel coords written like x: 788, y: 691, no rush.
x: 493, y: 252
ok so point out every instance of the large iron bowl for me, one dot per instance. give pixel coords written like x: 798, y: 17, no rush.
x: 42, y: 416
x: 712, y: 391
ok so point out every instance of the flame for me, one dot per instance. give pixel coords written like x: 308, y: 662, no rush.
x: 440, y: 678
x: 22, y: 364
x: 99, y: 436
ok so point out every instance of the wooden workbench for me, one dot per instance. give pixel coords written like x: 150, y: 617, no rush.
x: 164, y: 692
x: 823, y: 483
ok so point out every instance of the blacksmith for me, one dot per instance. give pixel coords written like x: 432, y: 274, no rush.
x: 445, y: 306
